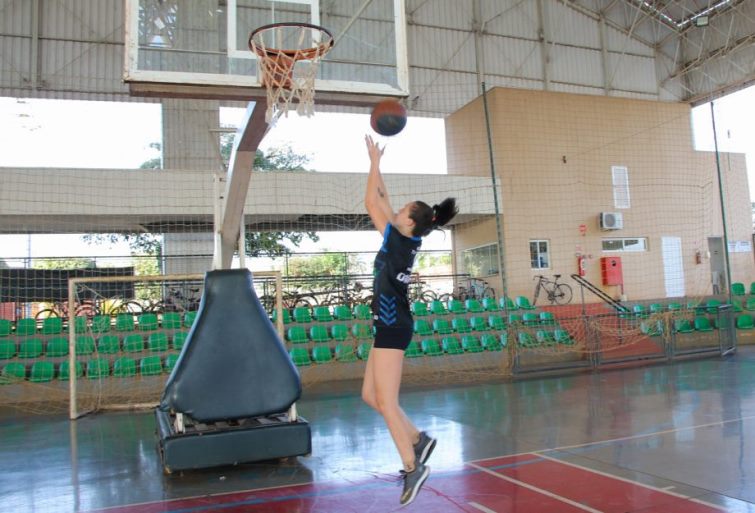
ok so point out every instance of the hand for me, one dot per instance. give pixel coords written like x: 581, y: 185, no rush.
x: 374, y: 149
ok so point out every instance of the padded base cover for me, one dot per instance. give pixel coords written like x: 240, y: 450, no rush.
x: 217, y: 447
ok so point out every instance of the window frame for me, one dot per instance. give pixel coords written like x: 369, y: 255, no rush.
x: 547, y: 253
x: 623, y: 249
x: 493, y: 256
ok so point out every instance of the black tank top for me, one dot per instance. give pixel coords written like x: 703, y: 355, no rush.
x: 393, y: 272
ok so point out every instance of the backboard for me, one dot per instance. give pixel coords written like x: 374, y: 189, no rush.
x: 199, y: 48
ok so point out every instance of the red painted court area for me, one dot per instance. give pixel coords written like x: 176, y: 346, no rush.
x: 531, y: 483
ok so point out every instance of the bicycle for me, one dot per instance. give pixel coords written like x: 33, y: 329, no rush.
x: 476, y: 288
x: 559, y: 293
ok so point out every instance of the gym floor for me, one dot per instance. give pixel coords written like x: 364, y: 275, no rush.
x: 664, y: 438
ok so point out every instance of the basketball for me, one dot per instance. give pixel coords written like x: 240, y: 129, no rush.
x: 388, y: 117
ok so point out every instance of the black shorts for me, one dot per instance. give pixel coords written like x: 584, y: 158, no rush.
x: 393, y: 337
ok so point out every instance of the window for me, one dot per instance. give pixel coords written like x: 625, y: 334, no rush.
x: 539, y: 254
x: 620, y: 178
x: 481, y: 261
x: 625, y: 244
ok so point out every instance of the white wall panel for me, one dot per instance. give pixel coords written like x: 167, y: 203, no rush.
x: 512, y: 57
x: 576, y: 66
x: 515, y: 19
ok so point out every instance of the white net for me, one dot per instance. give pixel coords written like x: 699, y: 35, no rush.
x: 288, y: 57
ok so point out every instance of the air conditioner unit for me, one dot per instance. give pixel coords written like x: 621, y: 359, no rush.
x: 611, y: 221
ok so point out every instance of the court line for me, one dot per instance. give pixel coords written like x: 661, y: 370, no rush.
x: 634, y: 483
x: 643, y: 435
x: 536, y: 489
x: 481, y: 507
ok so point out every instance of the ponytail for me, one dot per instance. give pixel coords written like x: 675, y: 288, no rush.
x: 426, y: 218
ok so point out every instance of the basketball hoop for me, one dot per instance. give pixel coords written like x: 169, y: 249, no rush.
x: 289, y: 74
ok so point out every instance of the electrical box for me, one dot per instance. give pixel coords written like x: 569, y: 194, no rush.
x: 610, y: 270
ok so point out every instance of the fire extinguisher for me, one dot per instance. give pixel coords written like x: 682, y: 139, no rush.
x: 582, y: 265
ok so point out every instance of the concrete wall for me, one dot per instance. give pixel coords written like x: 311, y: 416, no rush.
x: 553, y: 154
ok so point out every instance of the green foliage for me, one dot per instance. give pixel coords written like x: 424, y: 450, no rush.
x: 432, y: 260
x: 324, y: 265
x: 64, y: 263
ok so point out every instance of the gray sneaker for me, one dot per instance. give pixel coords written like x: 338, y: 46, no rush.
x: 413, y: 481
x: 424, y: 448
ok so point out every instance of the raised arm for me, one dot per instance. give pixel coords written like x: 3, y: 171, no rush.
x: 376, y: 196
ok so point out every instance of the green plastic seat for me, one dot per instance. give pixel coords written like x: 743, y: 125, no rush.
x: 490, y: 304
x: 737, y: 289
x: 42, y: 372
x: 363, y: 350
x: 471, y: 344
x: 189, y: 318
x: 171, y: 321
x: 52, y: 326
x: 321, y: 354
x: 442, y: 327
x: 639, y: 311
x: 170, y: 362
x: 319, y: 334
x: 345, y: 353
x: 286, y: 316
x: 496, y: 322
x: 506, y: 303
x: 530, y: 319
x: 702, y: 324
x: 523, y: 303
x: 147, y: 322
x: 745, y: 322
x: 322, y: 314
x: 6, y: 327
x: 339, y: 332
x: 419, y: 309
x: 12, y: 372
x: 460, y: 325
x: 133, y: 343
x: 57, y: 346
x: 655, y: 308
x: 712, y: 305
x: 547, y: 319
x: 526, y: 339
x: 563, y: 337
x: 158, y: 341
x: 80, y: 324
x: 473, y: 306
x: 124, y: 322
x: 302, y: 314
x: 300, y: 356
x: 64, y: 371
x: 124, y: 367
x: 478, y: 324
x: 683, y: 326
x: 750, y: 304
x: 362, y: 312
x: 491, y: 343
x: 98, y: 368
x: 651, y: 328
x: 451, y: 345
x: 26, y: 327
x: 413, y: 350
x: 737, y: 305
x: 84, y: 344
x: 342, y: 313
x: 100, y: 324
x: 179, y: 339
x: 431, y: 347
x: 515, y: 319
x: 361, y: 331
x: 545, y: 337
x: 422, y: 328
x: 456, y: 307
x: 7, y: 348
x: 108, y: 344
x: 150, y: 366
x: 297, y: 335
x: 673, y: 307
x: 30, y: 348
x: 438, y: 308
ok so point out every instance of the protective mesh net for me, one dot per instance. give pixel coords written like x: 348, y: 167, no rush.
x: 560, y: 160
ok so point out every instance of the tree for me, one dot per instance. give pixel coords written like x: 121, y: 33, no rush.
x: 64, y: 263
x: 256, y: 243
